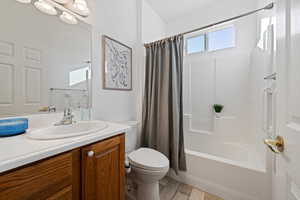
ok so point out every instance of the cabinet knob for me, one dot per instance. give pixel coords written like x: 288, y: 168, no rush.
x: 90, y: 153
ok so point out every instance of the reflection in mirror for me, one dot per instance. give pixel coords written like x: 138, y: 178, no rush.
x: 44, y: 62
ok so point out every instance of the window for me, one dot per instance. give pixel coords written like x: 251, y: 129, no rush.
x: 221, y: 39
x: 196, y: 44
x: 77, y: 76
x: 211, y: 41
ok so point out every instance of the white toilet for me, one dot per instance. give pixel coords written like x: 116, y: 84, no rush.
x: 148, y: 165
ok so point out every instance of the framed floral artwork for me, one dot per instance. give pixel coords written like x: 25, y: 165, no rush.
x: 117, y: 65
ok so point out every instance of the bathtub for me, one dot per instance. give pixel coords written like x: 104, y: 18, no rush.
x: 233, y: 171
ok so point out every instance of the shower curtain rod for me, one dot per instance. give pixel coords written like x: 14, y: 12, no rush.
x: 268, y: 7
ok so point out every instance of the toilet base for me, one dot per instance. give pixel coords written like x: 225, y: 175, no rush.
x: 148, y: 191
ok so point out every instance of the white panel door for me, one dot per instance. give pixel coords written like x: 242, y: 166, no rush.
x: 21, y: 76
x: 32, y: 79
x: 286, y: 169
x: 8, y: 78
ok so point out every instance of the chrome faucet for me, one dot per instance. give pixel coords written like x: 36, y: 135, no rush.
x: 67, y: 118
x: 51, y: 109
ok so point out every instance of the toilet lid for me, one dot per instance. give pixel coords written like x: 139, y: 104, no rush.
x: 148, y: 159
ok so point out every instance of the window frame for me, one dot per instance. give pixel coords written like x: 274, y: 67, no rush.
x: 219, y: 29
x: 206, y: 38
x: 195, y: 36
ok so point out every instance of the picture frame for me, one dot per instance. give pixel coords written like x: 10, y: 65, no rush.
x: 117, y: 65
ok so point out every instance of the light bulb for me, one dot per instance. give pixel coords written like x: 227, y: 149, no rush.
x: 68, y: 18
x: 45, y: 7
x: 24, y: 1
x: 80, y: 7
x: 81, y: 2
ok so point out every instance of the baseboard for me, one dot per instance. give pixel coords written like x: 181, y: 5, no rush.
x: 219, y: 190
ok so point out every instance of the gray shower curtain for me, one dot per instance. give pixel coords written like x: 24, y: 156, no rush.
x: 163, y: 106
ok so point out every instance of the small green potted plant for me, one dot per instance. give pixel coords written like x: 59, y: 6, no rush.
x: 218, y: 108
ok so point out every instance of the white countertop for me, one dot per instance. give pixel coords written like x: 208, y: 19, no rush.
x: 19, y: 150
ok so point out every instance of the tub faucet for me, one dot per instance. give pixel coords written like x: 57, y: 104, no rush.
x: 67, y: 118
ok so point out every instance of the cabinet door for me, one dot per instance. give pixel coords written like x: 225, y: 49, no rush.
x: 55, y: 178
x: 103, y: 171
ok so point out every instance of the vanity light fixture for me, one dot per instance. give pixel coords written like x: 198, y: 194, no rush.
x: 24, y: 1
x: 68, y: 18
x: 45, y: 7
x: 72, y: 10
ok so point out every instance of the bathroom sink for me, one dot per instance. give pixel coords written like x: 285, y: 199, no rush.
x: 67, y: 131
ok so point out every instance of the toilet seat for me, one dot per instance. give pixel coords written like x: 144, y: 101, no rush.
x: 149, y: 159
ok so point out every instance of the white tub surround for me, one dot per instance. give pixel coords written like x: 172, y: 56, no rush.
x: 20, y: 150
x: 222, y: 149
x: 223, y: 177
x: 227, y: 168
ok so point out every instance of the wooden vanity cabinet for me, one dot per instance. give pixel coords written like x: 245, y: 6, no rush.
x: 74, y: 175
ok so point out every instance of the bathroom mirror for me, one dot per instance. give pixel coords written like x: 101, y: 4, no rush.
x: 44, y: 62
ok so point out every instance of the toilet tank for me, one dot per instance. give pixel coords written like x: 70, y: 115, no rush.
x: 131, y: 136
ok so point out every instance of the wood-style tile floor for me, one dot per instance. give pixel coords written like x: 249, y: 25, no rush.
x: 173, y: 190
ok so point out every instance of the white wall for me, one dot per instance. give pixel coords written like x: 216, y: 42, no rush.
x: 122, y: 20
x: 211, y: 13
x: 117, y: 19
x: 153, y: 26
